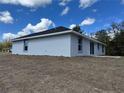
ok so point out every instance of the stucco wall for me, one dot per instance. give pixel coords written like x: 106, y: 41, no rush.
x: 53, y: 45
x: 74, y: 46
x: 60, y: 45
x: 85, y: 47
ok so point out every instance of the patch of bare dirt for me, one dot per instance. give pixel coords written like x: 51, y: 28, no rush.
x: 44, y: 74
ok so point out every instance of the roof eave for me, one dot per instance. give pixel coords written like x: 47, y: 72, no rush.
x: 88, y: 37
x: 51, y: 34
x: 59, y: 33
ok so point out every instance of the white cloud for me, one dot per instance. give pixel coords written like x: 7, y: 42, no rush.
x: 8, y: 36
x: 64, y: 2
x: 6, y: 17
x: 27, y: 3
x: 65, y: 11
x: 88, y: 21
x: 44, y: 24
x: 72, y: 26
x: 87, y: 3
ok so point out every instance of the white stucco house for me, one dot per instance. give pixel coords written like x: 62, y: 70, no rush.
x: 59, y: 41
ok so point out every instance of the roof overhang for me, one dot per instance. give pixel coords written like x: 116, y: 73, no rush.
x: 87, y: 37
x: 58, y: 33
x: 45, y: 35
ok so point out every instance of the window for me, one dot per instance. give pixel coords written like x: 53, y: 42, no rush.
x: 80, y: 44
x: 103, y: 49
x: 91, y: 48
x: 98, y: 46
x: 25, y: 45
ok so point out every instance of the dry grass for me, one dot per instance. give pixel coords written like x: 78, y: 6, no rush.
x: 31, y: 74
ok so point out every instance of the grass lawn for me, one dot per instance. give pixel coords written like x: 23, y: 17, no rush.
x: 42, y: 74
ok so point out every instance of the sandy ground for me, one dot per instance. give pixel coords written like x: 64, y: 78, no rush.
x: 31, y: 74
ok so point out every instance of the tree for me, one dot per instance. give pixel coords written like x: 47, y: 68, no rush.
x: 115, y: 27
x: 77, y: 29
x: 114, y: 39
x: 4, y: 45
x: 1, y: 47
x: 102, y: 36
x: 117, y: 44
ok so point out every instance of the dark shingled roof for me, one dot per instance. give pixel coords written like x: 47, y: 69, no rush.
x: 53, y: 30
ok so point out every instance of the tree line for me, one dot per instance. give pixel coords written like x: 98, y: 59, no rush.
x: 113, y: 37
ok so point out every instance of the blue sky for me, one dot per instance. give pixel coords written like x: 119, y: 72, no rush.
x: 21, y: 17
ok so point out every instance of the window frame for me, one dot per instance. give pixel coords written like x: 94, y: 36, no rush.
x: 80, y: 44
x: 25, y: 47
x: 92, y: 48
